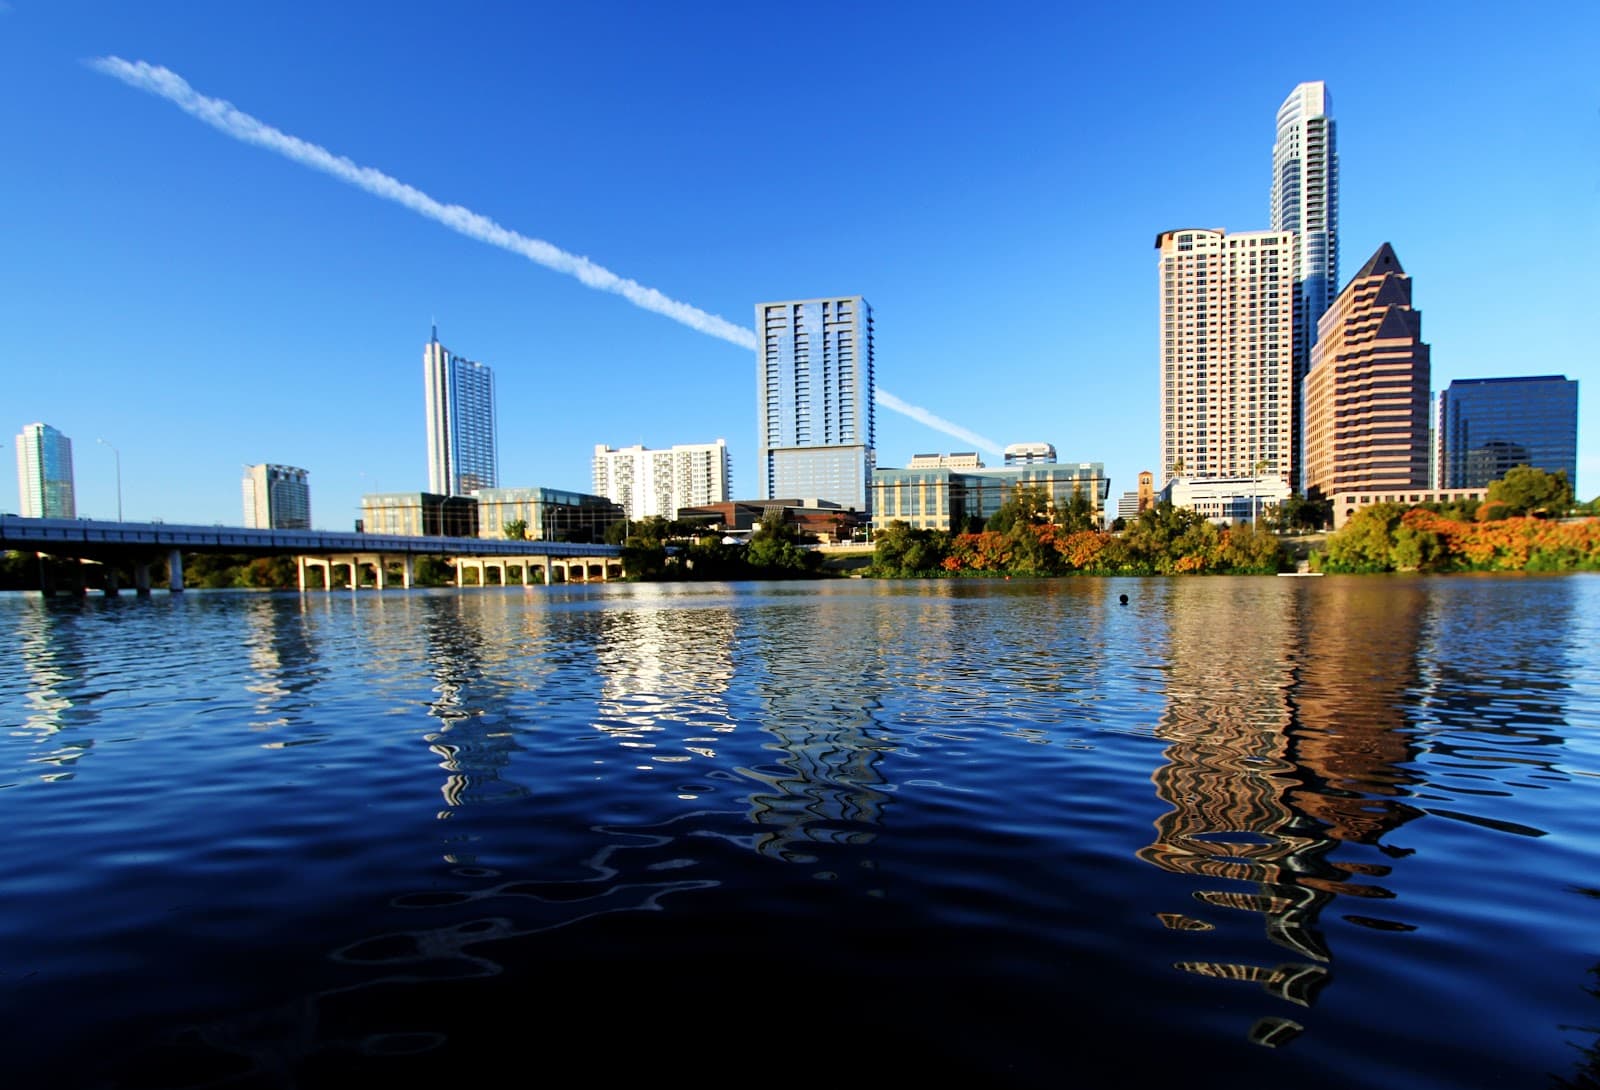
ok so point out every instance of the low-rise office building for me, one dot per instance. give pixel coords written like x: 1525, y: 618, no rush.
x: 956, y: 499
x: 550, y: 514
x: 1227, y: 500
x: 419, y: 514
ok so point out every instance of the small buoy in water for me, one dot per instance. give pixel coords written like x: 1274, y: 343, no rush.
x: 1123, y: 599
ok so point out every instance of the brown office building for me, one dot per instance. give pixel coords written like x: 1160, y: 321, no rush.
x: 1366, y: 397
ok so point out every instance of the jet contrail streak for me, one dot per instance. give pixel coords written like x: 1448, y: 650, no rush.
x: 241, y: 126
x: 889, y: 401
x: 224, y: 117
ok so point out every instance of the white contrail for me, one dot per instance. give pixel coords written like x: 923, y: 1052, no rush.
x: 889, y: 401
x: 233, y: 122
x: 241, y: 126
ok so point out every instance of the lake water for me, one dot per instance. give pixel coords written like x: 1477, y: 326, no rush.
x: 1254, y: 832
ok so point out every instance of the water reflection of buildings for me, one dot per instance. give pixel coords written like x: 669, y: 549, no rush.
x: 1286, y: 738
x: 55, y: 656
x: 278, y: 647
x: 826, y: 787
x: 664, y: 673
x: 476, y: 739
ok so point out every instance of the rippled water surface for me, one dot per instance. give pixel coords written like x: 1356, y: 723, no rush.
x: 1336, y: 832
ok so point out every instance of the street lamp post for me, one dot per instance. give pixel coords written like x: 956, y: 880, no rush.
x: 118, y: 455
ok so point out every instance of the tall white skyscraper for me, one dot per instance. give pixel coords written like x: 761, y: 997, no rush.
x: 1305, y: 199
x: 658, y: 482
x: 276, y: 497
x: 462, y: 455
x: 1227, y: 352
x: 44, y: 473
x: 814, y: 400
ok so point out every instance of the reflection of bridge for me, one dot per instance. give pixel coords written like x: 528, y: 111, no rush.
x: 139, y: 544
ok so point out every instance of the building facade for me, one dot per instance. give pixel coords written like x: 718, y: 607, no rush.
x: 550, y: 514
x: 964, y: 459
x: 1228, y: 400
x: 957, y: 499
x: 276, y: 497
x: 655, y: 483
x: 44, y: 473
x: 1128, y: 506
x: 1305, y: 200
x: 1227, y: 501
x: 814, y: 400
x: 1027, y: 454
x: 462, y: 454
x: 1366, y: 397
x: 419, y: 514
x: 1486, y: 426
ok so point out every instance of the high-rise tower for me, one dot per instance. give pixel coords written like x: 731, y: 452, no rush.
x: 658, y: 482
x: 44, y: 473
x: 276, y: 497
x: 814, y: 407
x: 1305, y: 200
x: 1227, y: 315
x: 461, y: 445
x: 1366, y: 396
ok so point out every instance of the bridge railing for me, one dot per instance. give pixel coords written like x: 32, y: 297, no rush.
x: 17, y: 532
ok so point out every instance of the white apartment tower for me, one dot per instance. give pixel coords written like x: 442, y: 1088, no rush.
x: 1305, y: 199
x: 1228, y: 407
x: 814, y: 400
x: 462, y: 454
x: 658, y: 482
x: 276, y: 497
x: 44, y: 473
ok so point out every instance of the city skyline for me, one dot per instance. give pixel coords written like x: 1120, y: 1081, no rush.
x: 1008, y: 266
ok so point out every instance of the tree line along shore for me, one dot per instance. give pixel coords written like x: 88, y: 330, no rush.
x: 1528, y: 522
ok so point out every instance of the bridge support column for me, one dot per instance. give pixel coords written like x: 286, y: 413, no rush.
x: 112, y: 577
x: 300, y: 572
x: 175, y: 572
x: 378, y: 572
x: 407, y: 570
x: 141, y: 579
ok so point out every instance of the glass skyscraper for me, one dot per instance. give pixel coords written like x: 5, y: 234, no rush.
x: 814, y: 400
x: 461, y: 443
x: 1486, y: 426
x: 1305, y: 200
x: 276, y: 497
x: 44, y: 473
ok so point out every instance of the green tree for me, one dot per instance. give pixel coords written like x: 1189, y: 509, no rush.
x: 1299, y: 513
x: 774, y: 549
x: 1078, y: 514
x: 1162, y: 537
x: 1529, y: 491
x: 515, y: 530
x: 432, y: 571
x: 1366, y: 544
x: 898, y: 549
x: 1252, y: 547
x: 276, y: 572
x: 1027, y: 504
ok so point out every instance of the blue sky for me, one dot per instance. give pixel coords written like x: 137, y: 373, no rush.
x: 991, y: 178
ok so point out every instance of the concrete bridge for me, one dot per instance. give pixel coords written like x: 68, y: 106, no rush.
x: 139, y: 544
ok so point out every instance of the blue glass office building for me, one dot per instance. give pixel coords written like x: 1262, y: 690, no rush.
x: 462, y: 453
x: 44, y: 473
x: 814, y: 408
x: 1487, y: 426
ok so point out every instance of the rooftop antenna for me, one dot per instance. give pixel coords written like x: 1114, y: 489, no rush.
x: 436, y: 330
